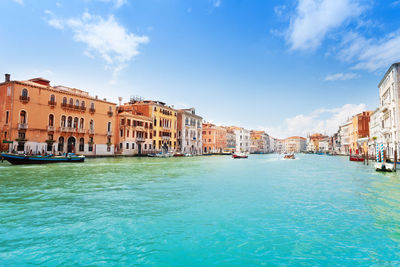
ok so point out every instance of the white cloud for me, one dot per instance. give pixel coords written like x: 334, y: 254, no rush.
x: 21, y: 2
x: 53, y: 21
x: 341, y: 76
x: 216, y: 3
x: 117, y: 3
x: 370, y: 54
x: 103, y: 37
x: 315, y: 18
x: 324, y: 121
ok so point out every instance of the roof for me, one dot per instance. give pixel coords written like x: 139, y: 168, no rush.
x: 387, y: 72
x: 130, y: 115
x: 296, y: 137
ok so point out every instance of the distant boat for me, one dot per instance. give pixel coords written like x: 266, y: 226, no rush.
x: 289, y: 156
x: 240, y: 155
x: 23, y: 159
x: 356, y: 158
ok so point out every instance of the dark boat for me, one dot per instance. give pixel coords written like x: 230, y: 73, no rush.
x: 356, y: 158
x: 23, y: 159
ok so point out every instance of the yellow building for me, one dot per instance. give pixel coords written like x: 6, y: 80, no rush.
x: 164, y: 122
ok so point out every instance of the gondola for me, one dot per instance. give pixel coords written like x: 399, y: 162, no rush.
x: 17, y: 159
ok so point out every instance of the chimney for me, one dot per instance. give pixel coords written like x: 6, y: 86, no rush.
x: 7, y: 78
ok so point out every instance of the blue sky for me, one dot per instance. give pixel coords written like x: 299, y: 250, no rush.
x: 289, y: 67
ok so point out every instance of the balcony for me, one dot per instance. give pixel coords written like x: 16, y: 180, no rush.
x: 50, y: 128
x: 64, y: 105
x: 91, y: 131
x: 109, y: 133
x: 52, y: 103
x: 110, y: 113
x: 92, y: 110
x: 77, y: 107
x: 82, y: 130
x: 140, y: 139
x: 22, y: 126
x: 67, y: 129
x: 83, y: 108
x: 166, y: 137
x: 24, y: 99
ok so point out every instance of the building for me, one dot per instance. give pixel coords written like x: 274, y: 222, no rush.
x: 360, y: 136
x: 242, y: 139
x: 39, y: 118
x: 190, y: 127
x: 388, y: 112
x: 317, y: 142
x: 272, y: 144
x: 214, y: 139
x: 280, y: 146
x: 134, y: 132
x: 374, y: 132
x: 259, y: 142
x: 164, y: 123
x: 295, y: 144
x: 230, y: 141
x: 346, y: 133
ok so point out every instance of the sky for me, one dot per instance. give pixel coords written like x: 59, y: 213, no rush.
x: 290, y: 67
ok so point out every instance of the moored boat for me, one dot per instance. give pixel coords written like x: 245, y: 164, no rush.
x: 356, y: 158
x: 24, y: 159
x: 240, y: 155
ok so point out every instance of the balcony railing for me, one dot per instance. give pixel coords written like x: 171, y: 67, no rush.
x: 91, y: 131
x: 52, y: 103
x: 22, y: 126
x: 50, y: 128
x: 24, y: 98
x: 110, y: 113
x: 92, y: 110
x: 109, y: 133
x: 83, y: 108
x: 166, y: 137
x: 81, y: 130
x: 140, y: 139
x: 67, y: 129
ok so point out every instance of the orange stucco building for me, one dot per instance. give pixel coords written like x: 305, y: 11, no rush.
x: 37, y: 117
x: 214, y: 138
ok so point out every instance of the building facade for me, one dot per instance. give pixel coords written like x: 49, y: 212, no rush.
x: 164, y: 123
x: 295, y: 144
x: 134, y: 134
x: 214, y: 139
x: 39, y: 118
x: 346, y: 133
x: 242, y: 139
x: 190, y: 127
x: 259, y: 142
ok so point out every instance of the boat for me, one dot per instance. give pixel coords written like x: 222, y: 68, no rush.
x: 151, y: 155
x: 384, y: 167
x: 179, y: 155
x: 356, y: 158
x: 24, y: 159
x: 289, y: 156
x: 240, y: 155
x: 164, y: 155
x: 188, y: 155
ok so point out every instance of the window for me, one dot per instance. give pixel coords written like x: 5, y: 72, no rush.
x: 90, y: 148
x: 69, y: 123
x: 51, y: 120
x: 52, y: 99
x: 61, y: 143
x: 145, y: 146
x: 83, y: 104
x: 63, y: 119
x: 71, y: 102
x: 77, y: 103
x: 127, y: 145
x: 91, y: 125
x: 109, y: 126
x: 64, y: 101
x: 92, y: 106
x: 82, y: 123
x: 121, y: 133
x: 22, y: 117
x: 24, y: 93
x: 133, y: 145
x: 76, y: 120
x: 81, y: 144
x: 120, y: 145
x: 7, y: 114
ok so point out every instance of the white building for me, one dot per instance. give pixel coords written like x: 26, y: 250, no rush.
x: 388, y: 114
x: 346, y: 133
x: 242, y: 139
x: 190, y: 132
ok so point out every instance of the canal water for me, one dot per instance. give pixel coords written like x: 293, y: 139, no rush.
x: 200, y: 211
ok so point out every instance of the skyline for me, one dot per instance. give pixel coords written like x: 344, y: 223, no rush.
x: 307, y: 65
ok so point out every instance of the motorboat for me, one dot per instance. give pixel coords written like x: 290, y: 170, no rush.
x: 289, y: 156
x: 384, y: 167
x: 240, y: 155
x: 356, y: 158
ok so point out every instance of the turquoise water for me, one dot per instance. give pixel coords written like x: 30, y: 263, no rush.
x: 200, y: 211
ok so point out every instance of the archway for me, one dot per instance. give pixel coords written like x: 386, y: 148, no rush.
x: 71, y: 145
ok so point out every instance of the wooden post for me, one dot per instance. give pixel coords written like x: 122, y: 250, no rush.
x: 367, y: 157
x: 395, y: 157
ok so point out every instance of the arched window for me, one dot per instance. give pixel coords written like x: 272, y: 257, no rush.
x: 64, y: 101
x: 92, y: 105
x: 110, y: 109
x: 91, y: 125
x: 83, y: 104
x: 76, y: 120
x: 63, y: 120
x: 22, y: 117
x: 51, y: 120
x: 77, y: 103
x: 109, y: 126
x: 69, y: 122
x: 81, y: 123
x: 24, y: 93
x: 71, y: 102
x: 52, y: 98
x: 61, y: 144
x: 81, y: 144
